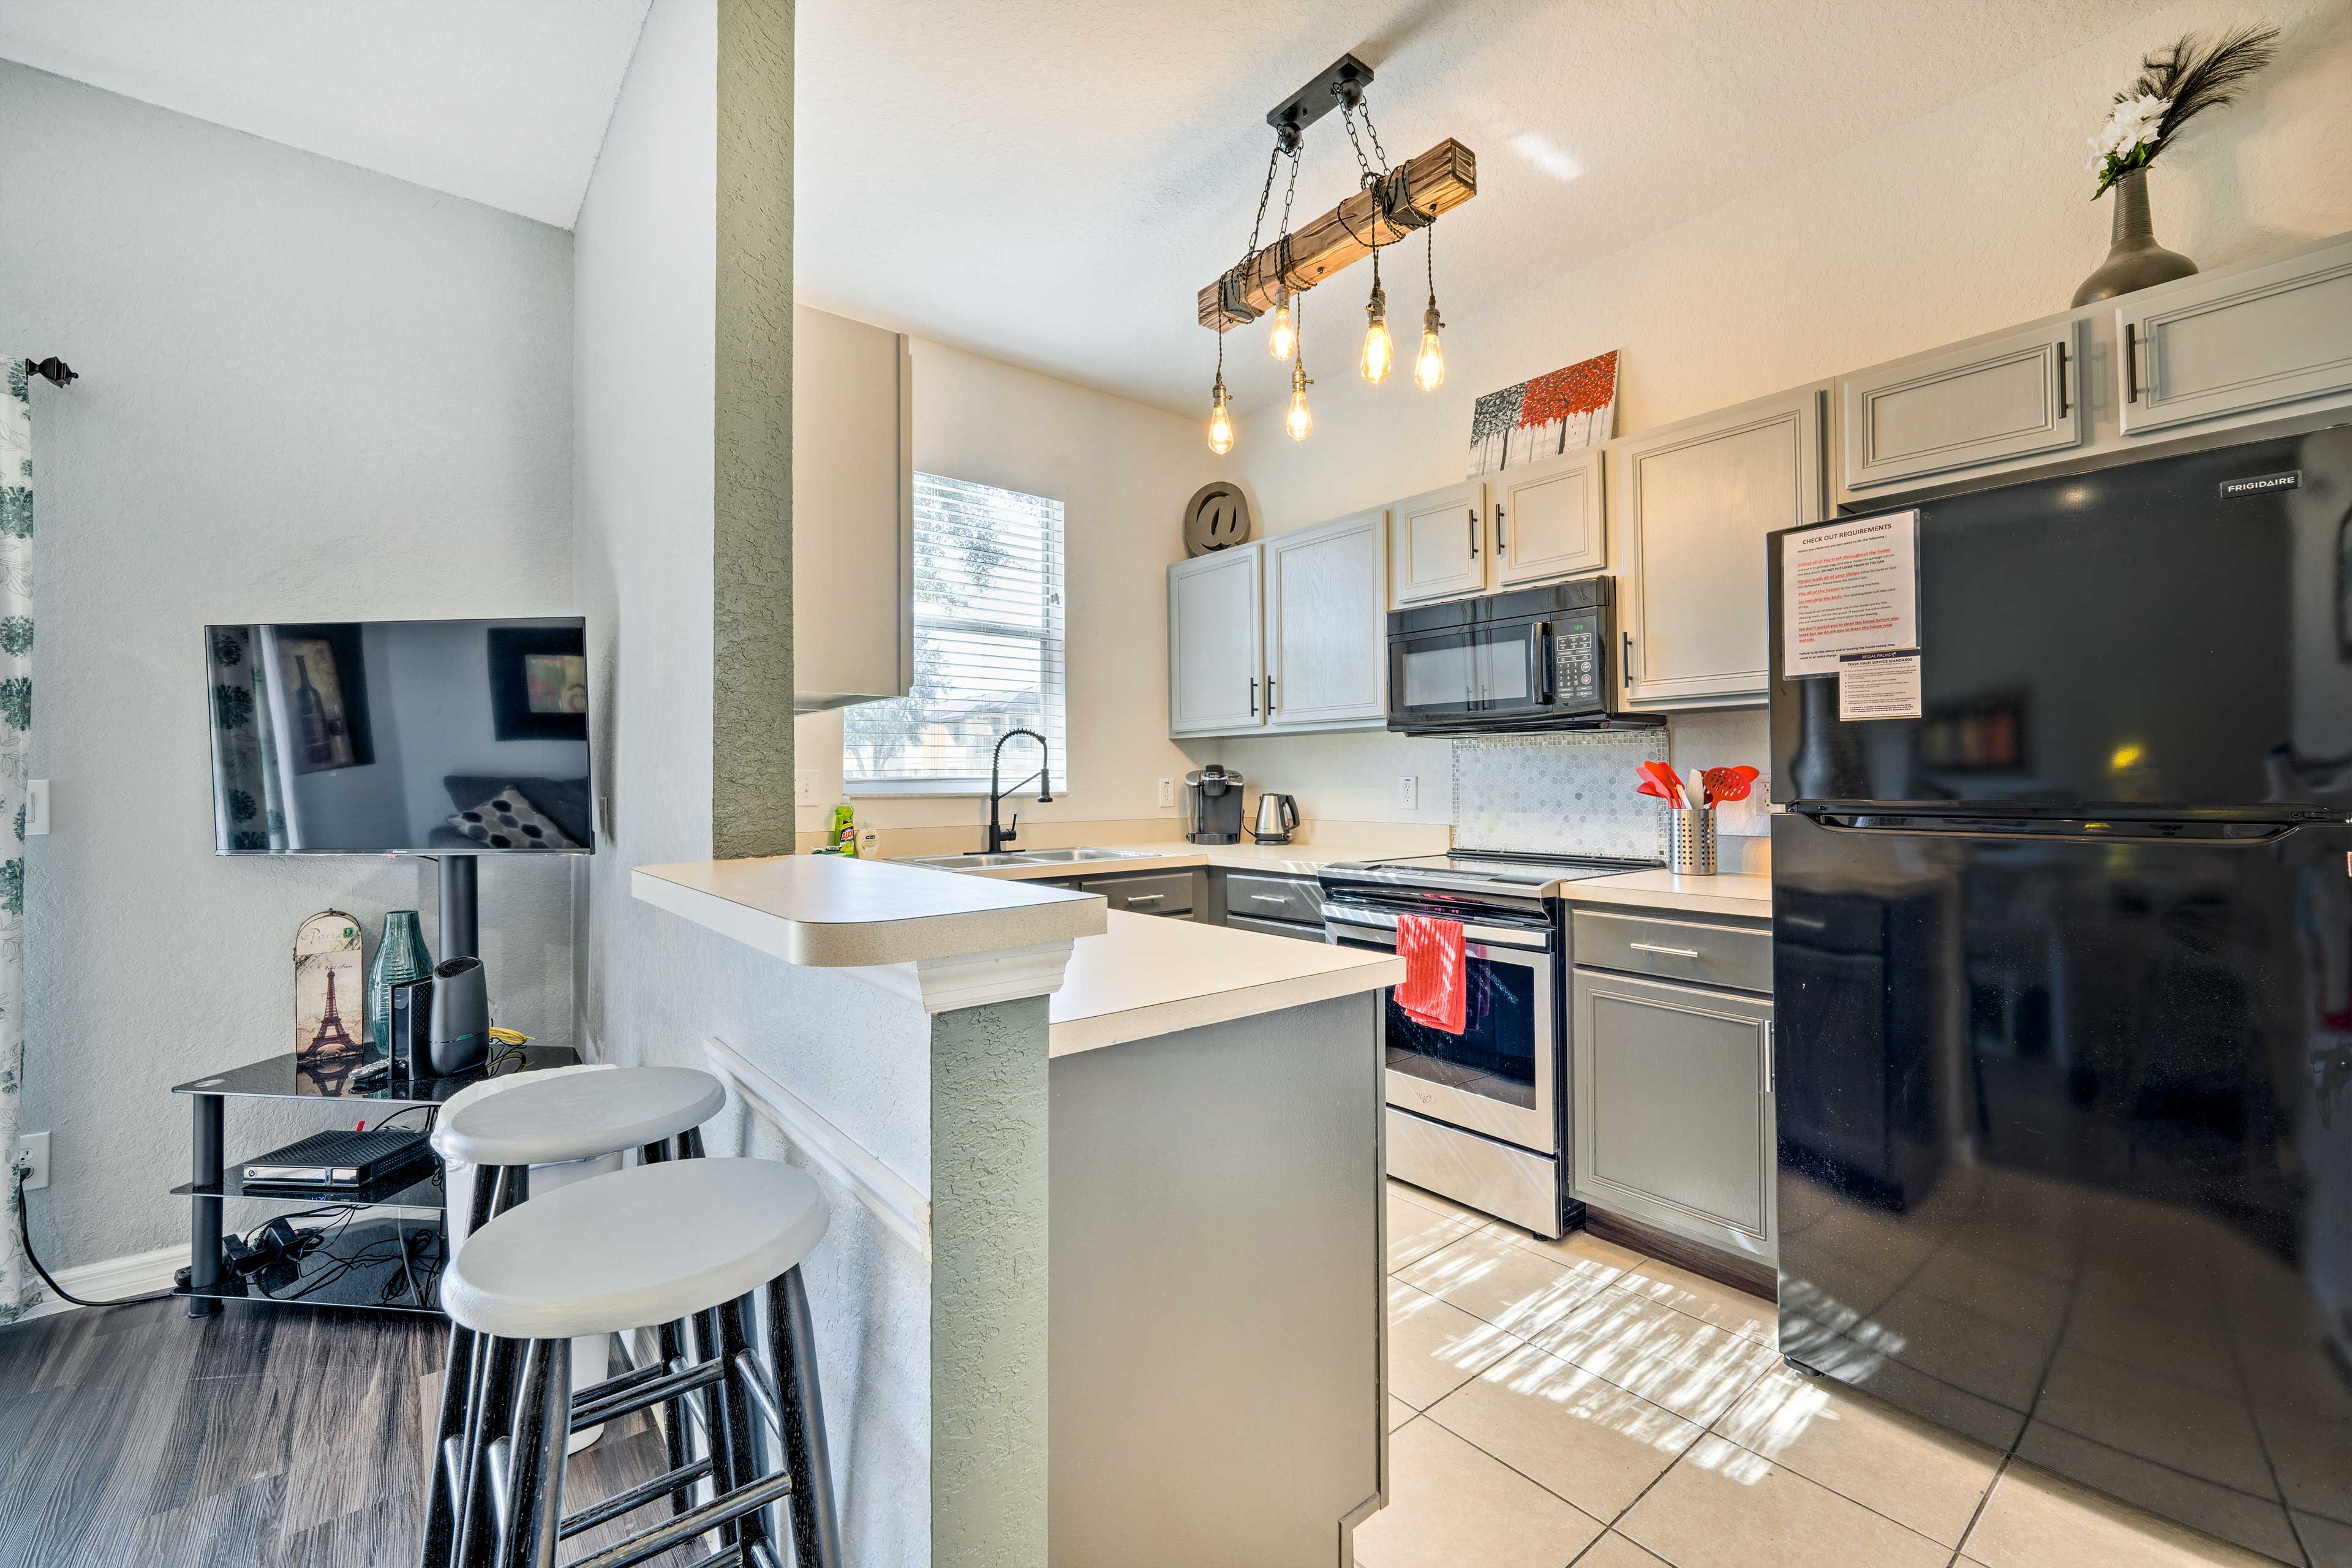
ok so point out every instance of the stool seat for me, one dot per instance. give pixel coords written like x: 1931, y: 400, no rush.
x: 578, y: 1116
x: 646, y: 1245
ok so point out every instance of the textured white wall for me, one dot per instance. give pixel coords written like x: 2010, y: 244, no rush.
x: 310, y: 392
x: 1970, y: 219
x: 653, y: 986
x: 1122, y: 471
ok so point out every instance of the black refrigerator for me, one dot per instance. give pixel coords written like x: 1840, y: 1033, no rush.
x: 2064, y: 990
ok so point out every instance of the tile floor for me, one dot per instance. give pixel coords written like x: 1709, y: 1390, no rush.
x: 1572, y: 1402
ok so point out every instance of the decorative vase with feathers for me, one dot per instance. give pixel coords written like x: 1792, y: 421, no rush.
x: 2175, y: 85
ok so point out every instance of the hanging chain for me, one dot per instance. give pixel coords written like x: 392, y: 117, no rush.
x: 1282, y: 239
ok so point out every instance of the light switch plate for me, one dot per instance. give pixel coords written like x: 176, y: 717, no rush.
x: 804, y: 786
x: 36, y: 806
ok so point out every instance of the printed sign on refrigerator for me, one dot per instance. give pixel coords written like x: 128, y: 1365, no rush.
x: 1851, y: 588
x: 1879, y: 685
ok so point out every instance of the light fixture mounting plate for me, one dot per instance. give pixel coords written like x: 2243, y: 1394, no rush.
x: 1343, y: 80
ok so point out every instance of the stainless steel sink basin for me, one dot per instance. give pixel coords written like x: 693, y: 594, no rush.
x: 1054, y: 857
x: 981, y: 862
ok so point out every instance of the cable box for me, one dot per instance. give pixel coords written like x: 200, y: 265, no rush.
x: 340, y: 1159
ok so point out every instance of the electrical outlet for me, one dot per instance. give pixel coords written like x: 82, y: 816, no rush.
x: 36, y: 806
x: 804, y: 786
x: 1168, y: 792
x: 1408, y: 793
x: 33, y: 1156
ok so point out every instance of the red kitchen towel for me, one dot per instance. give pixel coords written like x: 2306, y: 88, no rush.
x: 1434, y: 984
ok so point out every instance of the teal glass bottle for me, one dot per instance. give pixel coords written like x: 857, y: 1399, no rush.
x: 400, y: 954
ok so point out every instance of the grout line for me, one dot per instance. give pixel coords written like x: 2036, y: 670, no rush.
x: 1982, y: 1503
x: 1834, y: 1493
x: 2254, y: 1419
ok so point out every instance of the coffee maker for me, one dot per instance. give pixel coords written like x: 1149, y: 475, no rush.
x: 1212, y: 805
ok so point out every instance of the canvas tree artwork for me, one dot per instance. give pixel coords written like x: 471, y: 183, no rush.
x: 1574, y: 406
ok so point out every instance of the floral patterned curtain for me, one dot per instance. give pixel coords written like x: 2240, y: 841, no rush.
x: 16, y: 749
x: 248, y: 796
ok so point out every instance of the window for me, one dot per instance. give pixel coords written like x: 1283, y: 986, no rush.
x: 988, y: 647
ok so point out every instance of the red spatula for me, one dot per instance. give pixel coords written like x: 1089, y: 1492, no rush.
x: 1728, y: 784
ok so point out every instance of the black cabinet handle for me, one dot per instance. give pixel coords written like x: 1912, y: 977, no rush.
x: 1499, y: 526
x: 1252, y: 696
x: 1269, y: 694
x: 1472, y: 515
x: 2131, y: 362
x: 2061, y: 381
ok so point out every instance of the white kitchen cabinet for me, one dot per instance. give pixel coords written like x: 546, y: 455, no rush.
x: 1439, y: 540
x: 1695, y: 502
x: 1216, y: 650
x: 1327, y: 625
x: 853, y: 512
x: 1550, y: 518
x: 1980, y: 407
x: 2207, y: 349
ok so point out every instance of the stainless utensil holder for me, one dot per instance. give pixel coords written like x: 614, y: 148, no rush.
x: 1690, y: 840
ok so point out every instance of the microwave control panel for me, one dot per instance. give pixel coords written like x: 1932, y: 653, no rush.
x: 1576, y: 664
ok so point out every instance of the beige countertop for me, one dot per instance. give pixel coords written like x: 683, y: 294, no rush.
x: 1150, y: 975
x: 832, y: 913
x: 1730, y: 893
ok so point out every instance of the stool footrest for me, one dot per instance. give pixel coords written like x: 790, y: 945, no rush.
x: 635, y: 1377
x: 652, y: 1542
x: 637, y: 1497
x: 702, y: 1375
x: 728, y: 1556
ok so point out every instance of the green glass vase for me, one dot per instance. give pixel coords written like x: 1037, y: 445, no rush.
x: 399, y: 955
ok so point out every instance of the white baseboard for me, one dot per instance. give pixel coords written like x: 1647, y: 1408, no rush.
x: 110, y: 1279
x: 902, y: 1207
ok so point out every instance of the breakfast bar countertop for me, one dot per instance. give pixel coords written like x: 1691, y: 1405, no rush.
x: 1150, y: 975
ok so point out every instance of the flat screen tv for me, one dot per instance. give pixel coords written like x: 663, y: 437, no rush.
x: 400, y: 737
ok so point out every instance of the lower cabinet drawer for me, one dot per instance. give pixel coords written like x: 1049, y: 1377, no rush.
x: 1164, y: 893
x: 1274, y: 897
x: 1274, y: 928
x: 1691, y: 952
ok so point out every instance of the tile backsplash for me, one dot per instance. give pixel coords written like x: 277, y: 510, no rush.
x: 1557, y: 794
x: 1573, y: 794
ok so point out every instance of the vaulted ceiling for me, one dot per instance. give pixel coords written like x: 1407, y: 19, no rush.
x: 1048, y: 182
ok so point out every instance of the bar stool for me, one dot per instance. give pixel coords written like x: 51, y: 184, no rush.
x: 550, y: 1121
x: 618, y: 1252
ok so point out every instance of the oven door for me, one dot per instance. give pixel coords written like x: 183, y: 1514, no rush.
x: 1458, y: 676
x: 1500, y: 1075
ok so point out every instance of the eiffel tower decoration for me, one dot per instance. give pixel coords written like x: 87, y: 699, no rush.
x: 332, y: 1040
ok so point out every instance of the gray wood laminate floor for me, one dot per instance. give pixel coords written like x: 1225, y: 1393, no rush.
x: 261, y: 1438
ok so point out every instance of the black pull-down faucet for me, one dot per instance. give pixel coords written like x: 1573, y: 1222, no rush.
x: 998, y: 838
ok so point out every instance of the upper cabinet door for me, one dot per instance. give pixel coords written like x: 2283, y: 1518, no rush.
x: 1697, y: 500
x: 1440, y: 543
x: 1215, y: 661
x: 1549, y: 518
x: 2206, y: 349
x: 1327, y: 624
x: 853, y: 488
x: 1980, y: 406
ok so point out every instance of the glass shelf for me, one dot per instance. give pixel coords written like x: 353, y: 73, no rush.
x: 421, y: 1191
x: 364, y: 1287
x: 279, y: 1077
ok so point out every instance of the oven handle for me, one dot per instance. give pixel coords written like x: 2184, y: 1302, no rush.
x: 1376, y: 927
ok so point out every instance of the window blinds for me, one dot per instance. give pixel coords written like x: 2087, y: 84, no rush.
x: 988, y: 646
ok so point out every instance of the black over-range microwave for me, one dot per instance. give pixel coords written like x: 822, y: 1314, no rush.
x: 1531, y: 659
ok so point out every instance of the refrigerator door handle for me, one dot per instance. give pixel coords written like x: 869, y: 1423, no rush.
x: 2220, y: 834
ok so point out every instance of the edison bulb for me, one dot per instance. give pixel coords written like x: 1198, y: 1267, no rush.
x: 1298, y: 421
x: 1379, y: 351
x: 1428, y: 365
x: 1285, y: 337
x: 1221, y: 426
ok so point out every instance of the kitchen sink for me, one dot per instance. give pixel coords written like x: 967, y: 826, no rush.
x: 981, y: 862
x: 1054, y: 857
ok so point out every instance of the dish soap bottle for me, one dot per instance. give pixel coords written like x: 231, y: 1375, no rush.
x: 844, y: 828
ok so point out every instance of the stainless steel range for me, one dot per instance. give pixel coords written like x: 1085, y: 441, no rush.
x: 1480, y: 1116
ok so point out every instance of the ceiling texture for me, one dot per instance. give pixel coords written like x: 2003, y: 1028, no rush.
x: 1048, y: 182
x: 501, y: 101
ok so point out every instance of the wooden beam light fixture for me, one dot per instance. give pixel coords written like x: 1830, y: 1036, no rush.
x: 1390, y: 205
